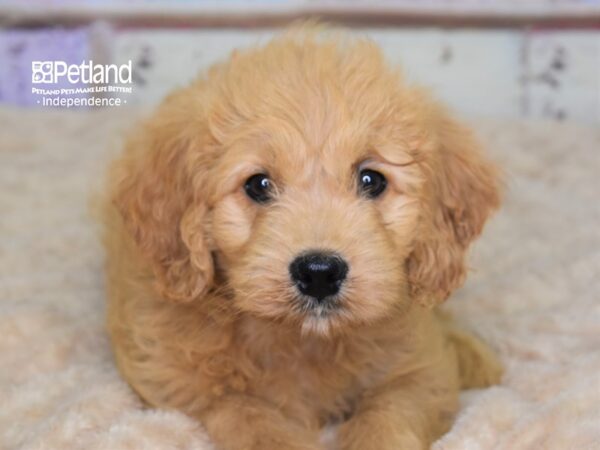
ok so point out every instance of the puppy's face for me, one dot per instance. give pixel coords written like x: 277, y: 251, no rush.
x: 315, y: 221
x: 321, y: 191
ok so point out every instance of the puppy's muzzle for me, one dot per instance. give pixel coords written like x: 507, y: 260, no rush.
x: 318, y: 274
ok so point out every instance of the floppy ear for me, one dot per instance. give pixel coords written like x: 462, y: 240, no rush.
x: 462, y: 191
x: 154, y: 193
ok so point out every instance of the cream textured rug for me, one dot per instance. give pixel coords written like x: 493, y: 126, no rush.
x: 534, y: 294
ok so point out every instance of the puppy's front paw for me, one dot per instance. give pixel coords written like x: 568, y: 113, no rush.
x: 265, y: 440
x: 377, y: 434
x: 277, y: 442
x: 238, y: 422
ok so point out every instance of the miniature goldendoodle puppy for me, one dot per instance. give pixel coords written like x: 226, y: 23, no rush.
x: 279, y: 234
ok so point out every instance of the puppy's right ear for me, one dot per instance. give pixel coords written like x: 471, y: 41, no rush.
x: 153, y: 190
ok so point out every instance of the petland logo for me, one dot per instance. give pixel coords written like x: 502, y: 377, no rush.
x: 51, y: 72
x: 57, y: 83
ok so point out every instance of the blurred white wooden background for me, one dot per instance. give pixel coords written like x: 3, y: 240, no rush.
x: 498, y: 58
x: 497, y: 73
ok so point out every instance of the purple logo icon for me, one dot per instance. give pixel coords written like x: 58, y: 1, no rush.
x: 42, y: 72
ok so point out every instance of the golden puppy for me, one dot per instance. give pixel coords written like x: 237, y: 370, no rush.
x: 279, y: 234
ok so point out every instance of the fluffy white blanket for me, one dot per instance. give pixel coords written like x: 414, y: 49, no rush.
x: 533, y: 294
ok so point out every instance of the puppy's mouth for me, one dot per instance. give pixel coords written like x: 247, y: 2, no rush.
x: 317, y: 276
x: 319, y: 316
x: 319, y: 308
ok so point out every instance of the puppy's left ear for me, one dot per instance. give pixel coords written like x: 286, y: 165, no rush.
x: 462, y: 190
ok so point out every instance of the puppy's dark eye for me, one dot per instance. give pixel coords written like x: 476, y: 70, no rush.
x: 259, y: 188
x: 371, y: 183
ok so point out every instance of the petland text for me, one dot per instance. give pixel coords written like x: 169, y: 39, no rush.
x: 50, y: 72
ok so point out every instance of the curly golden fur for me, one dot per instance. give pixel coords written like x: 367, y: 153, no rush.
x: 202, y: 313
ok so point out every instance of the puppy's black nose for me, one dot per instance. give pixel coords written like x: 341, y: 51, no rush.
x: 318, y: 274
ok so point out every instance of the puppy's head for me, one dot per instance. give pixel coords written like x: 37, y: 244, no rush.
x: 307, y: 181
